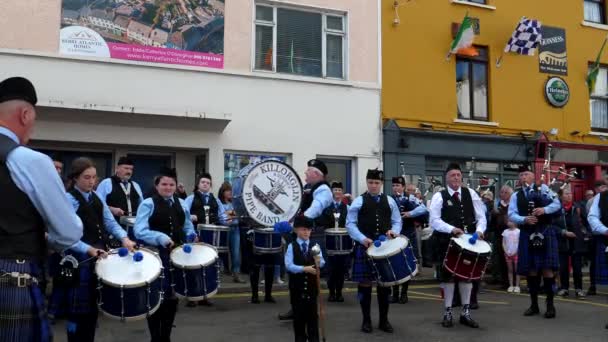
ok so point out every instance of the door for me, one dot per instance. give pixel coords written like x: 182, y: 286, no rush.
x: 577, y: 187
x: 146, y: 167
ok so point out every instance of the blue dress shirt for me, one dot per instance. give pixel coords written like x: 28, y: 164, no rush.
x: 142, y: 230
x: 221, y: 212
x: 594, y: 217
x: 110, y: 224
x: 35, y: 175
x: 322, y: 198
x: 105, y: 188
x: 353, y: 217
x: 549, y: 209
x: 289, y: 265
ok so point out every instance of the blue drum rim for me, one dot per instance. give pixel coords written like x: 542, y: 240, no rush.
x: 400, y: 281
x: 332, y: 252
x: 133, y: 318
x: 212, y: 227
x: 209, y: 295
x: 194, y: 267
x: 130, y: 286
x: 261, y: 250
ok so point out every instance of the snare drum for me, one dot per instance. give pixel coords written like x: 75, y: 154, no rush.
x: 394, y: 261
x: 216, y: 236
x: 196, y: 274
x: 467, y: 261
x: 338, y: 242
x: 129, y: 291
x: 266, y: 241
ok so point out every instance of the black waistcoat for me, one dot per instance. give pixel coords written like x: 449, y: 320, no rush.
x: 198, y: 208
x: 405, y: 205
x: 91, y: 214
x: 525, y: 207
x: 303, y: 285
x: 118, y: 199
x: 21, y: 226
x: 168, y: 219
x: 374, y: 219
x: 461, y: 213
x: 326, y: 219
x: 343, y: 211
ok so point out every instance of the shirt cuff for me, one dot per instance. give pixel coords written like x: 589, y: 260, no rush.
x: 121, y: 234
x: 81, y: 247
x: 163, y: 240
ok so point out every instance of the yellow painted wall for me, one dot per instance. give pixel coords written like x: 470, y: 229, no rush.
x: 419, y: 84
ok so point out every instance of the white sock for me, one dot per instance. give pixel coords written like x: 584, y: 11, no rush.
x: 465, y: 292
x: 448, y: 294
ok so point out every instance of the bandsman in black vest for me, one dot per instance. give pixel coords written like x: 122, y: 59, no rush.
x: 412, y: 213
x: 119, y: 192
x: 534, y: 208
x: 337, y: 263
x: 98, y: 225
x: 303, y: 289
x: 203, y: 206
x: 454, y: 211
x: 598, y: 221
x: 163, y: 222
x: 316, y: 205
x: 36, y: 199
x: 369, y: 216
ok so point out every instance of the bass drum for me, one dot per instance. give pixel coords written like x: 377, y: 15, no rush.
x: 265, y: 193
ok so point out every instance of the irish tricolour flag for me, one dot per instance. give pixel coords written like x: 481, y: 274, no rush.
x: 463, y: 42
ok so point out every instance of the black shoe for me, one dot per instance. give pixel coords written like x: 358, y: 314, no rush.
x: 403, y: 299
x: 532, y: 310
x: 331, y: 298
x: 447, y: 321
x: 395, y: 299
x: 474, y: 306
x: 205, y: 302
x: 591, y: 291
x: 269, y: 299
x: 191, y: 304
x: 550, y: 311
x: 386, y: 327
x: 255, y: 300
x: 286, y: 316
x: 366, y: 327
x: 340, y: 298
x: 468, y: 321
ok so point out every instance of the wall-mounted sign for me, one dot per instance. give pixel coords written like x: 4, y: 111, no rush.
x: 557, y: 92
x: 552, y: 57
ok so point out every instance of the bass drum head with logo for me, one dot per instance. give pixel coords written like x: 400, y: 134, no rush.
x: 480, y: 246
x: 267, y: 192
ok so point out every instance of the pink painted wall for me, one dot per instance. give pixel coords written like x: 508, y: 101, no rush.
x: 34, y: 25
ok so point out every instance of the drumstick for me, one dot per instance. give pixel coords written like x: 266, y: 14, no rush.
x: 320, y: 299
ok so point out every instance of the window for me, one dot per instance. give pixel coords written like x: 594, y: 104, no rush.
x: 594, y: 11
x: 339, y: 170
x: 234, y: 162
x: 299, y: 42
x: 472, y: 86
x: 483, y: 2
x: 599, y: 102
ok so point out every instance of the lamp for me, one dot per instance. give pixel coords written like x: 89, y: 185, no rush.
x: 553, y: 131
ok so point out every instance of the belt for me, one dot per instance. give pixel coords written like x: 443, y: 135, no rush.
x: 18, y: 279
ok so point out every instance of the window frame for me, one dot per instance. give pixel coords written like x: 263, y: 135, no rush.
x: 602, y: 4
x: 480, y: 61
x: 479, y: 2
x: 325, y: 13
x: 597, y: 97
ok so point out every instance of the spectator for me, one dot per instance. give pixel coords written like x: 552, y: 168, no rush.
x: 181, y: 191
x: 234, y: 236
x: 510, y: 244
x: 499, y: 219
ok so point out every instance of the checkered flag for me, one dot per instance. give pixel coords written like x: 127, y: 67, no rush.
x: 526, y: 37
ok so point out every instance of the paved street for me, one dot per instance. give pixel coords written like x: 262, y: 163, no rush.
x: 500, y: 316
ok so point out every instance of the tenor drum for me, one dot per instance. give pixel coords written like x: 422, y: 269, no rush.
x: 129, y: 290
x: 465, y: 260
x: 216, y: 236
x: 338, y: 242
x: 265, y: 193
x: 266, y: 241
x: 196, y: 273
x: 394, y: 261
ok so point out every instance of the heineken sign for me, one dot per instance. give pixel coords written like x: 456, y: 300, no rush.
x: 557, y: 92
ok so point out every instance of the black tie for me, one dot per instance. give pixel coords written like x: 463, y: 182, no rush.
x: 206, y: 198
x: 304, y: 248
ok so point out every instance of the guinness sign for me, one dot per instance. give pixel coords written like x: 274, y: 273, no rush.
x: 553, y: 58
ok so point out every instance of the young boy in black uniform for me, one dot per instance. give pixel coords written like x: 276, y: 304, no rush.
x: 303, y: 290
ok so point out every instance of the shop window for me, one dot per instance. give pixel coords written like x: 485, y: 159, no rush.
x: 300, y: 42
x: 339, y: 170
x: 595, y: 11
x: 599, y: 102
x: 472, y: 86
x: 234, y: 162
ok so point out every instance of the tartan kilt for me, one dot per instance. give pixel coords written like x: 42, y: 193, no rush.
x: 22, y: 314
x: 363, y: 269
x: 78, y: 300
x: 531, y: 260
x: 601, y: 261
